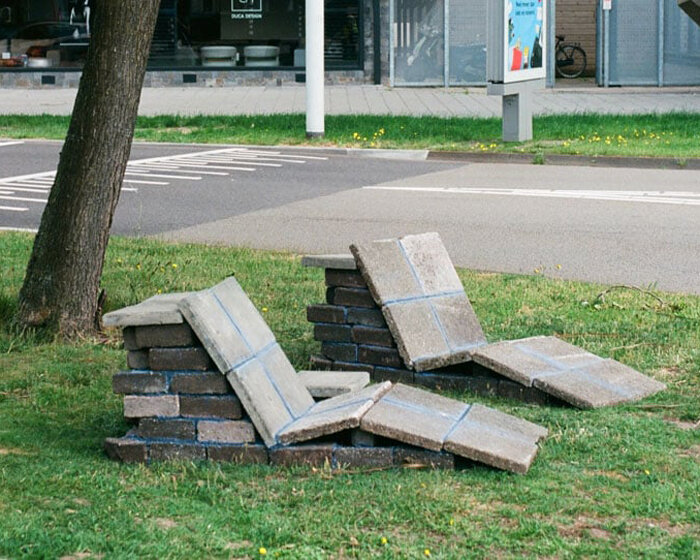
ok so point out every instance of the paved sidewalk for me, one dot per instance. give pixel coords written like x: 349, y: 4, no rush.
x: 356, y: 99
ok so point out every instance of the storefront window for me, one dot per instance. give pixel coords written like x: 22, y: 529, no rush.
x: 219, y: 34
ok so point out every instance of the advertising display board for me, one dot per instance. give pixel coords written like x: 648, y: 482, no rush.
x: 517, y: 45
x: 524, y: 40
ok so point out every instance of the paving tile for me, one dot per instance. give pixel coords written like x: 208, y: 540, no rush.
x: 242, y: 345
x: 414, y: 416
x: 141, y: 407
x: 422, y: 299
x: 175, y: 428
x: 205, y: 383
x: 431, y: 262
x: 496, y: 439
x: 333, y: 415
x: 326, y: 384
x: 136, y: 382
x: 526, y: 359
x: 226, y: 431
x: 162, y: 309
x: 567, y: 372
x: 386, y: 270
x: 605, y: 383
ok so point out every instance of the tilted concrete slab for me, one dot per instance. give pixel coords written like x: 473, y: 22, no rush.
x: 496, y: 439
x: 414, y: 416
x: 478, y: 433
x: 340, y: 262
x: 326, y: 384
x: 244, y: 348
x: 343, y: 412
x: 567, y: 372
x: 157, y: 310
x: 422, y: 299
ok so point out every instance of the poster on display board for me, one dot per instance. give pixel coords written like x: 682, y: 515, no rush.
x: 524, y: 40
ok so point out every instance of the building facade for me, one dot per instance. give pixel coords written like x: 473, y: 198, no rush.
x: 391, y: 42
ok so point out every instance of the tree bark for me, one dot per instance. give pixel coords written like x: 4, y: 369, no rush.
x: 62, y: 282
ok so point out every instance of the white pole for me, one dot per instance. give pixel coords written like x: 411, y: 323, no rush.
x: 315, y: 109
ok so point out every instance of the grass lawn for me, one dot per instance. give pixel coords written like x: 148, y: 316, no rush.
x: 669, y: 135
x: 611, y: 483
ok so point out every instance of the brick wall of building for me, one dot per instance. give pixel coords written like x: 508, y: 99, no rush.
x: 577, y: 20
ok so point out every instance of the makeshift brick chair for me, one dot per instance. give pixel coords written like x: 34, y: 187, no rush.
x: 414, y: 283
x: 284, y: 413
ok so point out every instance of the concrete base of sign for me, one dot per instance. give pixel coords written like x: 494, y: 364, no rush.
x: 517, y: 108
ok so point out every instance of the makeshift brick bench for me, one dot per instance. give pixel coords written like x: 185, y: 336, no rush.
x: 276, y: 406
x: 397, y: 310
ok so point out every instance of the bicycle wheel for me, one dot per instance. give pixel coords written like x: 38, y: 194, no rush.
x: 571, y: 61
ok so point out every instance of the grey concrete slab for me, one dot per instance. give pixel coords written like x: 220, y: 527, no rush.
x: 604, y: 383
x: 496, y: 439
x: 326, y: 384
x: 567, y: 372
x: 526, y: 359
x: 243, y: 347
x: 414, y: 416
x: 343, y: 412
x: 157, y: 310
x: 422, y: 299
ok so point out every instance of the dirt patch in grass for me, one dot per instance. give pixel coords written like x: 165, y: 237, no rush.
x: 683, y: 424
x: 12, y: 451
x: 583, y: 526
x: 693, y: 452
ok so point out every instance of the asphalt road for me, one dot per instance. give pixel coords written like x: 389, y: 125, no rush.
x: 628, y: 226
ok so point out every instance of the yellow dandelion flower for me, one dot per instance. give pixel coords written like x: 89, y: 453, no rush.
x: 426, y: 552
x: 262, y: 551
x: 264, y: 309
x: 384, y: 540
x: 174, y: 265
x: 646, y: 472
x: 452, y: 522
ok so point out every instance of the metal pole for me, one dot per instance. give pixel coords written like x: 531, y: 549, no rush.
x: 660, y: 34
x: 315, y: 107
x: 606, y: 49
x: 392, y: 39
x: 377, y: 34
x: 446, y: 43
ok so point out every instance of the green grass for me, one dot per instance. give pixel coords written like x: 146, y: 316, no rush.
x: 611, y: 483
x: 670, y: 135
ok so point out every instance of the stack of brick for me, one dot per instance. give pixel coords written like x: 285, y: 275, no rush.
x: 355, y: 337
x: 182, y: 406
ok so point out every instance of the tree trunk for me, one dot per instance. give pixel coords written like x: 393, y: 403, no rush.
x: 61, y: 286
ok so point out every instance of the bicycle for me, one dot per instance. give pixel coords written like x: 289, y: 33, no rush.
x: 570, y: 57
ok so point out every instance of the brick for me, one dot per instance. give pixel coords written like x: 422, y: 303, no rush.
x: 392, y: 374
x: 352, y: 297
x: 174, y: 359
x: 168, y: 429
x: 142, y: 407
x: 350, y: 366
x: 227, y: 431
x: 337, y: 351
x: 129, y: 337
x: 338, y: 261
x: 364, y: 457
x: 379, y: 356
x: 206, y: 383
x: 332, y: 333
x: 127, y: 450
x: 372, y: 335
x: 322, y: 313
x: 320, y: 362
x: 165, y: 336
x: 443, y: 381
x: 366, y: 316
x: 360, y: 438
x: 323, y: 385
x: 137, y: 359
x: 345, y: 278
x: 136, y: 382
x: 177, y: 452
x: 228, y: 407
x: 240, y: 454
x: 404, y: 456
x: 310, y: 455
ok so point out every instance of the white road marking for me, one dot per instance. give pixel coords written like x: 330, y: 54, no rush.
x: 191, y: 166
x: 20, y: 229
x: 10, y: 143
x: 683, y: 198
x: 12, y: 209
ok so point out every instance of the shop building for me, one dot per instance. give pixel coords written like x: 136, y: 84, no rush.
x: 391, y: 42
